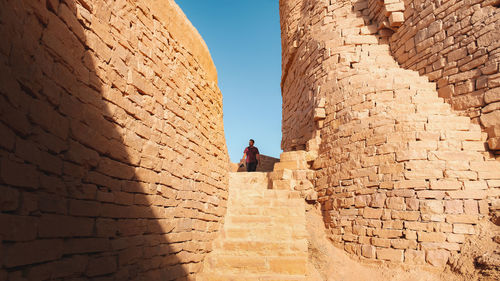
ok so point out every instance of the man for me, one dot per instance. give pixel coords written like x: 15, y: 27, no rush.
x: 252, y: 156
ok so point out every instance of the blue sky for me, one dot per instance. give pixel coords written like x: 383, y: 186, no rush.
x: 243, y: 37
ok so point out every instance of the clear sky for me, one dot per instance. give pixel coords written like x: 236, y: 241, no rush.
x: 243, y: 37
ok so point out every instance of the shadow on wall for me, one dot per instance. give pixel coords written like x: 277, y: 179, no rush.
x: 75, y: 201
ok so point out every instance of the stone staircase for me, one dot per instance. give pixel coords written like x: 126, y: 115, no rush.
x: 264, y: 235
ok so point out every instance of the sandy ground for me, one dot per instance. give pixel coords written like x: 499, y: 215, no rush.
x: 328, y: 263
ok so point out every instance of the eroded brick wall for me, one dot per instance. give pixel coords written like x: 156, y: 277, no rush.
x: 456, y: 44
x: 112, y: 161
x: 400, y: 175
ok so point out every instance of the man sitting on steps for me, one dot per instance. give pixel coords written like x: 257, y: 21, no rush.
x: 252, y: 156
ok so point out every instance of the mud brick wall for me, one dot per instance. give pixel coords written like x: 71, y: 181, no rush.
x: 400, y: 175
x: 456, y: 44
x: 112, y: 161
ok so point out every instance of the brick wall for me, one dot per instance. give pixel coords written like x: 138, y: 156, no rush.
x: 455, y: 44
x: 112, y: 161
x: 302, y: 76
x: 400, y: 175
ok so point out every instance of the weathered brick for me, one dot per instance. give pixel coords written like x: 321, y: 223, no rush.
x: 9, y: 198
x: 101, y: 266
x: 18, y: 228
x: 371, y: 213
x: 19, y: 174
x: 390, y: 254
x: 51, y: 226
x: 463, y: 229
x: 437, y: 257
x: 414, y: 256
x: 36, y: 251
x: 431, y: 236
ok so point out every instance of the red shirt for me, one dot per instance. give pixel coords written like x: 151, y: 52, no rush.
x: 251, y: 153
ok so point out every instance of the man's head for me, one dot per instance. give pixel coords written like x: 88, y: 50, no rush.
x: 251, y: 142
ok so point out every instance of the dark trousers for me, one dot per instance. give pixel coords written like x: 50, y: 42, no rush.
x: 251, y: 166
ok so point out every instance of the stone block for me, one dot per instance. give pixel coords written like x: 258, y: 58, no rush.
x: 360, y: 39
x: 403, y: 244
x: 64, y: 226
x: 390, y: 254
x: 431, y: 207
x: 494, y: 143
x: 9, y: 198
x: 445, y: 185
x: 467, y: 194
x: 412, y: 204
x: 285, y: 174
x: 282, y: 184
x: 406, y: 215
x: 471, y: 207
x: 455, y: 238
x: 299, y: 155
x: 368, y: 251
x: 395, y: 203
x: 431, y: 194
x: 454, y: 206
x: 431, y: 236
x: 388, y: 233
x: 486, y: 169
x: 380, y: 242
x: 25, y: 253
x: 414, y: 184
x: 462, y: 218
x: 396, y: 19
x: 291, y: 165
x: 371, y: 213
x: 101, y: 266
x: 377, y: 200
x: 437, y: 257
x: 414, y: 257
x: 463, y: 229
x: 18, y: 228
x: 19, y: 174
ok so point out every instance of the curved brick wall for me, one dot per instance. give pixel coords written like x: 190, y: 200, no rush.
x: 400, y: 175
x: 456, y: 44
x: 112, y: 161
x: 302, y: 76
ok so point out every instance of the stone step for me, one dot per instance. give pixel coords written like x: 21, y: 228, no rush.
x: 264, y: 202
x: 248, y: 178
x: 247, y: 277
x: 299, y: 155
x: 292, y: 165
x: 270, y: 211
x: 297, y: 247
x: 258, y: 264
x: 283, y: 184
x: 264, y: 234
x: 285, y: 174
x: 263, y: 220
x: 253, y: 233
x: 267, y: 193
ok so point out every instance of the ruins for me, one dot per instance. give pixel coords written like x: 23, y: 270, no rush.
x: 114, y: 166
